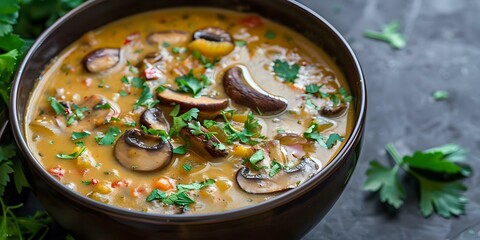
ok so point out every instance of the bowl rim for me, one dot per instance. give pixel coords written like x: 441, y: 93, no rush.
x: 236, y: 213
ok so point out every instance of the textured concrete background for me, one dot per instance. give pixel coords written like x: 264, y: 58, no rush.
x: 442, y: 53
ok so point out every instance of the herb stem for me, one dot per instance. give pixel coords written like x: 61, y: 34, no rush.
x: 393, y: 153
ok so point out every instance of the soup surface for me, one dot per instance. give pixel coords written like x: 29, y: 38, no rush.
x: 188, y: 110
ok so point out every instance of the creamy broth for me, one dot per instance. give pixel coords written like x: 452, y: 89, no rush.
x: 182, y: 63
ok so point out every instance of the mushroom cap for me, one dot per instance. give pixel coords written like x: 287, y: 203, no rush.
x: 212, y: 34
x: 102, y: 59
x: 155, y: 119
x: 202, y: 144
x: 242, y: 89
x: 283, y: 180
x: 170, y: 97
x: 142, y: 152
x: 169, y: 36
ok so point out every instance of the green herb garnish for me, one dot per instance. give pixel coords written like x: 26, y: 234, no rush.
x: 440, y: 95
x: 389, y: 34
x: 109, y: 137
x: 73, y: 155
x: 190, y: 84
x: 80, y: 135
x: 442, y: 197
x: 180, y: 150
x: 283, y: 70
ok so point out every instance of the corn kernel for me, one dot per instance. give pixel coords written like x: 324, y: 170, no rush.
x: 102, y: 188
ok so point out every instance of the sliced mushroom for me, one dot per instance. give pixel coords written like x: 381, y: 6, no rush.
x: 262, y: 182
x: 101, y: 59
x: 169, y: 97
x: 154, y: 118
x: 97, y: 113
x: 212, y: 34
x: 212, y: 42
x: 138, y: 151
x: 289, y: 138
x: 201, y: 143
x: 240, y: 86
x: 175, y: 37
x: 331, y: 110
x: 283, y: 180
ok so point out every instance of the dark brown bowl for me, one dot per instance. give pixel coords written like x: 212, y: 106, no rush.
x: 289, y: 216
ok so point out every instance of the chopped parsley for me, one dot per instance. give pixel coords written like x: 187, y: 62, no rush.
x: 206, y: 62
x: 313, y: 133
x: 180, y: 198
x: 187, y: 167
x: 240, y: 43
x: 285, y: 71
x: 209, y: 123
x: 389, y: 34
x: 180, y: 122
x: 146, y: 98
x: 190, y: 84
x: 73, y: 155
x: 246, y: 135
x: 440, y: 95
x: 255, y: 158
x: 80, y: 135
x: 275, y: 168
x: 444, y: 197
x: 57, y: 107
x: 109, y: 137
x: 270, y: 34
x: 180, y: 150
x: 195, y: 186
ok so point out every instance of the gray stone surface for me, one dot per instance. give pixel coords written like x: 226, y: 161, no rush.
x: 442, y: 53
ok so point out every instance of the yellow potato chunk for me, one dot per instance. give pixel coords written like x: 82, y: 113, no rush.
x: 210, y: 48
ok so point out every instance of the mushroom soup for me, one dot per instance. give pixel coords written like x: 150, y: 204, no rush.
x: 188, y: 110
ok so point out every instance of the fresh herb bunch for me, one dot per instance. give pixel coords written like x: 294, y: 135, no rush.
x: 21, y: 21
x: 438, y: 172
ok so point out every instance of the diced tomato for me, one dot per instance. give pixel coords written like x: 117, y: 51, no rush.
x: 93, y: 181
x: 57, y: 172
x: 131, y: 37
x: 120, y: 183
x: 251, y: 21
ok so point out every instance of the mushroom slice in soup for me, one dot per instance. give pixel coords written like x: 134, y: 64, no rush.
x: 203, y: 141
x: 100, y: 111
x: 212, y: 42
x: 263, y: 182
x: 175, y: 37
x: 101, y: 59
x: 155, y: 119
x: 170, y: 97
x: 138, y: 151
x: 149, y: 67
x: 240, y: 86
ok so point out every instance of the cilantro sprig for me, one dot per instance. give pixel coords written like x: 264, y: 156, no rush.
x: 247, y: 135
x: 286, y: 71
x: 180, y: 198
x: 389, y: 34
x: 313, y: 133
x: 190, y: 84
x: 444, y: 197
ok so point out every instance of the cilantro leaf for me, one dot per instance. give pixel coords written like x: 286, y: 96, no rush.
x: 190, y: 84
x: 255, y: 158
x: 443, y: 197
x: 146, y: 98
x: 5, y: 170
x: 73, y: 155
x: 332, y: 139
x: 80, y: 135
x: 109, y: 137
x: 432, y: 161
x: 195, y: 186
x: 385, y: 180
x: 180, y: 150
x: 446, y: 198
x: 57, y: 107
x: 181, y: 198
x: 275, y: 168
x: 283, y: 70
x: 389, y: 34
x: 440, y: 95
x: 187, y: 167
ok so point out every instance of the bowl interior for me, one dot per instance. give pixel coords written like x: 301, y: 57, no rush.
x: 94, y: 14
